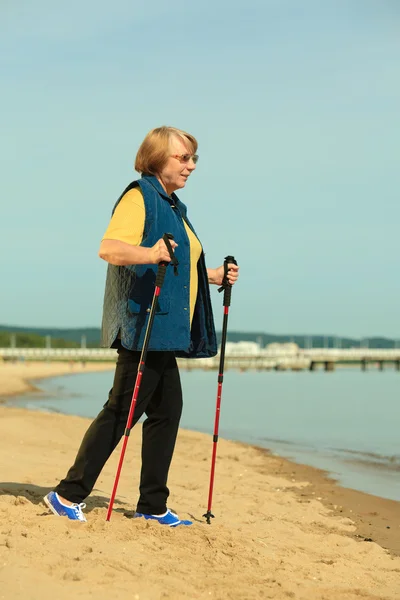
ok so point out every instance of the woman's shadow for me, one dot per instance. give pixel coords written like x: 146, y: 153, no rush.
x: 35, y: 493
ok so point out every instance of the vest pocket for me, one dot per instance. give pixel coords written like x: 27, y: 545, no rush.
x: 139, y: 306
x: 141, y: 292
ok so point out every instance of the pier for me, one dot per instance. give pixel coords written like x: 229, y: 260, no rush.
x: 242, y: 356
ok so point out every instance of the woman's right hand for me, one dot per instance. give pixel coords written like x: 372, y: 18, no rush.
x: 159, y: 252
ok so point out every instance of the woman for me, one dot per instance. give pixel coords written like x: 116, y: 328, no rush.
x: 183, y: 324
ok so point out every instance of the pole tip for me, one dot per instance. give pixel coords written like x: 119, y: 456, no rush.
x: 208, y: 516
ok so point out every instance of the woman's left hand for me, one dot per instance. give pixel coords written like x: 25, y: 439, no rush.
x: 216, y: 276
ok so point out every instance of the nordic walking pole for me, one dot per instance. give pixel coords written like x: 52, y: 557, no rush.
x: 227, y: 289
x: 162, y: 269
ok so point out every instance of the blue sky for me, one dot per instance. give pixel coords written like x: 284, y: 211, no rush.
x: 296, y: 109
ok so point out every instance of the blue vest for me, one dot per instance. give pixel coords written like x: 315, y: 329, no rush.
x: 129, y: 290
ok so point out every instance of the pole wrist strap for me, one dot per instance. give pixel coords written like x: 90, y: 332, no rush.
x: 174, y: 261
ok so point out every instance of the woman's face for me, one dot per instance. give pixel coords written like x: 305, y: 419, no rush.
x: 175, y: 172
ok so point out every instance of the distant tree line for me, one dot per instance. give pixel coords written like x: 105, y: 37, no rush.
x: 309, y: 340
x: 72, y: 338
x: 32, y: 340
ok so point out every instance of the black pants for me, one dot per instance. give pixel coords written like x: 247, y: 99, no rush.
x: 160, y: 398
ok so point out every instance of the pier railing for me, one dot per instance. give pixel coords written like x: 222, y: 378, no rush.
x: 262, y: 359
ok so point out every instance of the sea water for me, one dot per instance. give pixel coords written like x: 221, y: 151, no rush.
x: 346, y: 422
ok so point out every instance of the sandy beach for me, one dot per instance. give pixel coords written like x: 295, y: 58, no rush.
x: 281, y: 530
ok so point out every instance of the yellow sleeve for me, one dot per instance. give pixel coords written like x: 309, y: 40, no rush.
x: 127, y: 222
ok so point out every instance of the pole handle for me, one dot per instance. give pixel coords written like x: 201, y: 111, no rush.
x: 162, y: 266
x: 226, y: 287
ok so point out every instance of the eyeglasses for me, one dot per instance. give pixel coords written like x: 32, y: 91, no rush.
x: 185, y: 158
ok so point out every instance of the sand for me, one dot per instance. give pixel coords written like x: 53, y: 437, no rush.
x: 277, y: 531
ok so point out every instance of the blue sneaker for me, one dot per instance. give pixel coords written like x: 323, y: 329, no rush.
x: 73, y: 512
x: 169, y: 518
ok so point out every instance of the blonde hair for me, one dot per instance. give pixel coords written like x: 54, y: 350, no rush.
x: 155, y: 149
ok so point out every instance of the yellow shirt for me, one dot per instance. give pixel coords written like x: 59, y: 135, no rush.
x: 127, y: 225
